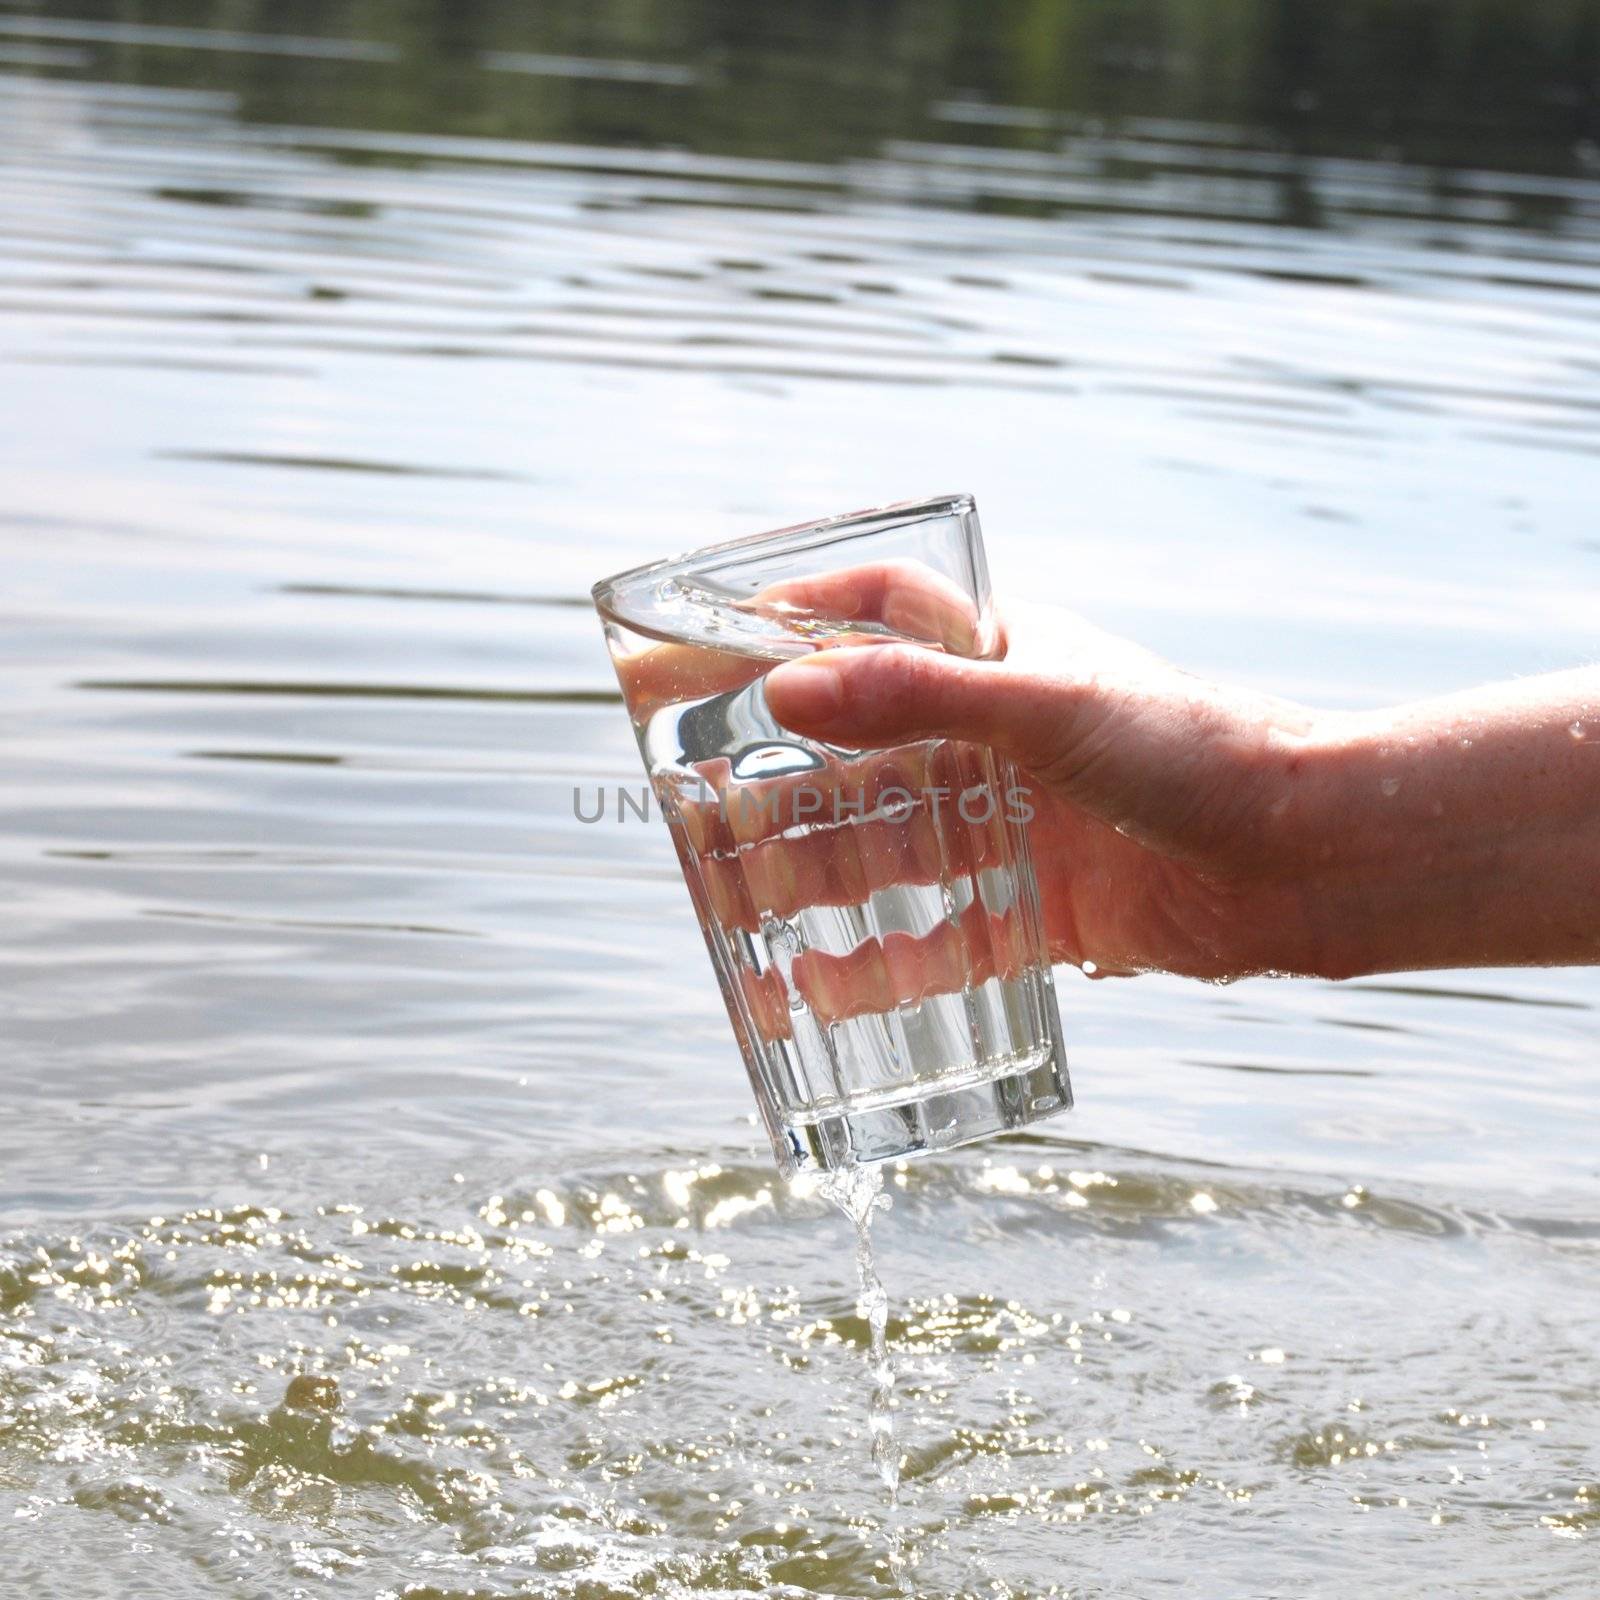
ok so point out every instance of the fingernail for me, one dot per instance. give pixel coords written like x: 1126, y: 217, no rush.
x: 809, y: 691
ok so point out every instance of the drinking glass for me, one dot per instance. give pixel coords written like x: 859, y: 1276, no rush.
x: 872, y: 915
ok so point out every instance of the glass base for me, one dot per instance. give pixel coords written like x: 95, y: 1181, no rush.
x: 928, y: 1116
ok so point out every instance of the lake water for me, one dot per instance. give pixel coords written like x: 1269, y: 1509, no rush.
x: 382, y: 1206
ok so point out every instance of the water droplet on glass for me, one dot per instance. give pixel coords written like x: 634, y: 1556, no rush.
x: 1090, y: 968
x: 1576, y: 730
x: 1390, y: 787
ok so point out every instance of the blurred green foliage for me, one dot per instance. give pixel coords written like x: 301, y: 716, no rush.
x: 1479, y: 82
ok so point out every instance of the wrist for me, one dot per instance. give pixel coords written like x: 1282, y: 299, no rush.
x: 1355, y: 856
x: 1318, y: 853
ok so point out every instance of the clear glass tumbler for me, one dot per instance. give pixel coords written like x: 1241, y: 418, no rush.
x: 872, y: 915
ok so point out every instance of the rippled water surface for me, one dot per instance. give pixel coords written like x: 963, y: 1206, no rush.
x: 381, y: 1209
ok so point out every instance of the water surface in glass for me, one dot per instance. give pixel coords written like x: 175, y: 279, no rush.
x: 370, y: 1227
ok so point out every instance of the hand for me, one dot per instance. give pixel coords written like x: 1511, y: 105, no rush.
x: 1219, y: 833
x: 1183, y: 826
x: 1160, y: 831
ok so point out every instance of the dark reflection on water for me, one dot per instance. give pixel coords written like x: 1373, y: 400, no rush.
x: 1487, y: 82
x: 380, y: 1206
x: 360, y: 691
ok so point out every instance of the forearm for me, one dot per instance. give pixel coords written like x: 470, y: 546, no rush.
x: 1463, y: 831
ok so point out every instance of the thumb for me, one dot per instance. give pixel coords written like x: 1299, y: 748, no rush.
x: 898, y: 694
x: 1159, y: 761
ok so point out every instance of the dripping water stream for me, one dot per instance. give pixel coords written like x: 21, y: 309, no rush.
x: 858, y: 1193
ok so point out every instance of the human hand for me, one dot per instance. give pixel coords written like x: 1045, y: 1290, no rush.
x: 1164, y: 829
x: 1183, y: 826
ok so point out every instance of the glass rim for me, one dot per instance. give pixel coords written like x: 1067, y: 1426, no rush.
x: 798, y: 535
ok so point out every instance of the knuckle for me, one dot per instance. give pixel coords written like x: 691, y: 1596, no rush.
x: 903, y: 695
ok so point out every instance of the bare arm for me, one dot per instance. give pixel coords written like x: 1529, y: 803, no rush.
x: 1462, y: 831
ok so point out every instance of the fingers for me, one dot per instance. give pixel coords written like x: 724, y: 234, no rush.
x: 903, y: 969
x: 842, y: 866
x: 915, y: 816
x: 883, y: 974
x: 767, y: 1001
x: 928, y: 815
x: 723, y: 813
x: 1162, y: 757
x: 905, y: 597
x: 896, y: 694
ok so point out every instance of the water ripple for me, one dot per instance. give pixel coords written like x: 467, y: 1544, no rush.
x: 383, y: 1207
